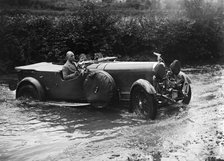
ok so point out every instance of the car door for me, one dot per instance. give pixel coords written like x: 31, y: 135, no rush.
x: 64, y: 90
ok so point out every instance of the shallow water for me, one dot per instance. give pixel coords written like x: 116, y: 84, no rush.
x: 29, y: 128
x: 39, y: 131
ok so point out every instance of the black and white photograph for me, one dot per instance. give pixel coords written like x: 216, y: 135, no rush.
x: 111, y: 80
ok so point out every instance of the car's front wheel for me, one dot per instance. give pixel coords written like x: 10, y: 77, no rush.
x: 27, y: 91
x: 143, y: 103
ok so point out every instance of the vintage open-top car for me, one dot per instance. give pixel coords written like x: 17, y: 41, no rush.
x: 146, y: 85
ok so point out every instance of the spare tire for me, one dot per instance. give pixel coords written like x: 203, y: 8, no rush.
x: 99, y: 88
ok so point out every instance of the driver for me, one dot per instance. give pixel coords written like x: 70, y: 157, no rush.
x: 70, y: 69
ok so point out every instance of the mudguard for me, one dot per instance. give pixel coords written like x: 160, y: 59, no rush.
x: 186, y: 84
x: 35, y: 83
x: 186, y: 78
x: 145, y: 84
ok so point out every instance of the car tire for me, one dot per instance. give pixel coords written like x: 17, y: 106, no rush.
x: 143, y: 103
x: 99, y: 88
x: 187, y: 99
x: 28, y: 91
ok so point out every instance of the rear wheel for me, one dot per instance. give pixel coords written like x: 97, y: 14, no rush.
x: 27, y: 91
x: 143, y: 103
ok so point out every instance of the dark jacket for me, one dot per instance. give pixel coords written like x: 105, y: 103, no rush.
x: 70, y: 71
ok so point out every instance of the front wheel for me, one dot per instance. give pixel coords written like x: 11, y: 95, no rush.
x: 143, y: 103
x: 27, y: 91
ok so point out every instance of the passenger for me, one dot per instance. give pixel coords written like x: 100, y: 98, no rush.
x: 70, y: 69
x: 84, y: 62
x: 82, y: 57
x: 98, y: 56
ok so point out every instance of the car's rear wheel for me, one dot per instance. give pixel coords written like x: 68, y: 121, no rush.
x: 27, y: 91
x: 187, y: 98
x: 143, y: 103
x: 99, y: 88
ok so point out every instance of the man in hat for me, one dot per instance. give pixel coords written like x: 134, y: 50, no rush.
x: 70, y: 69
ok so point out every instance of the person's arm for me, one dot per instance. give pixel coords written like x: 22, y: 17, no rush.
x: 85, y: 63
x: 67, y: 76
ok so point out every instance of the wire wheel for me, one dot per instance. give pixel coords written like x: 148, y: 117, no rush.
x: 143, y: 103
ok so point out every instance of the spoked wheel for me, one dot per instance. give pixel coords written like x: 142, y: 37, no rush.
x: 187, y: 98
x: 27, y: 91
x: 143, y: 103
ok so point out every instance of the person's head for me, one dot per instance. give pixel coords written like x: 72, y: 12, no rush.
x: 82, y: 57
x: 70, y: 56
x: 98, y: 56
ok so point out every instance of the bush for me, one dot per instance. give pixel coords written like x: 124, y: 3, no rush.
x: 198, y: 36
x: 28, y: 38
x: 93, y: 30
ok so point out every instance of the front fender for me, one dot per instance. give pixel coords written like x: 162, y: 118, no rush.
x: 145, y: 84
x: 35, y: 83
x: 186, y: 84
x: 186, y: 78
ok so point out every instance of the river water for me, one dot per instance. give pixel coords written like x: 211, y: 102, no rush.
x: 31, y: 131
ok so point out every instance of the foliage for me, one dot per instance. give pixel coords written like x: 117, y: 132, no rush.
x: 95, y: 29
x: 35, y: 4
x: 28, y: 38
